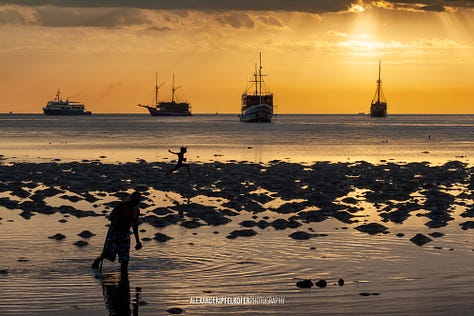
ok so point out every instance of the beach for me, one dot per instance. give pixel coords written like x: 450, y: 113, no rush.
x: 399, y: 234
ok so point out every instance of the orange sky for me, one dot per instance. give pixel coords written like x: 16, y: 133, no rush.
x: 320, y: 58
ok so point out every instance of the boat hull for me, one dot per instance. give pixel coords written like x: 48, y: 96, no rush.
x: 155, y: 112
x: 261, y: 113
x: 65, y: 112
x: 378, y: 109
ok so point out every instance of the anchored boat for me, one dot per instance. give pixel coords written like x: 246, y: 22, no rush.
x: 378, y: 106
x: 257, y: 106
x: 167, y: 108
x: 58, y: 106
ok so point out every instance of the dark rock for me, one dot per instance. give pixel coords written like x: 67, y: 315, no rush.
x: 26, y: 214
x: 467, y: 225
x: 304, y: 284
x: 436, y: 234
x: 3, y: 272
x: 81, y: 243
x: 248, y: 224
x: 146, y: 239
x: 280, y: 224
x: 228, y: 212
x: 344, y: 217
x: 262, y: 224
x: 175, y: 310
x: 290, y: 208
x: 468, y: 213
x: 340, y: 282
x: 162, y: 211
x: 58, y: 236
x: 294, y: 224
x: 321, y: 283
x: 372, y: 228
x: 312, y: 216
x: 420, y: 239
x: 72, y: 198
x: 162, y: 237
x: 302, y: 235
x: 241, y: 233
x: 20, y: 192
x: 191, y: 224
x: 400, y: 235
x: 208, y: 214
x: 86, y: 234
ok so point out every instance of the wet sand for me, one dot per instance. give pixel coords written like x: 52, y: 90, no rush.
x: 399, y: 234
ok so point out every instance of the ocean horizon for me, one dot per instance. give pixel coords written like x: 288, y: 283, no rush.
x: 296, y: 138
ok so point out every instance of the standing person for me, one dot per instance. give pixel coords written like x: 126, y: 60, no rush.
x: 181, y: 160
x: 122, y: 217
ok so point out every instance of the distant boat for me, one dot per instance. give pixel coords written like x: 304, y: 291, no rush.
x: 58, y: 106
x: 167, y: 108
x: 378, y: 106
x: 258, y: 106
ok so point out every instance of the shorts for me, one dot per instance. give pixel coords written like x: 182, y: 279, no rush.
x: 117, y: 243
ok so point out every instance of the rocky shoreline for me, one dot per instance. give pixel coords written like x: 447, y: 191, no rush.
x: 298, y: 193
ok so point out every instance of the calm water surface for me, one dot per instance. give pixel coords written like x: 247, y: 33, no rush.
x: 296, y: 138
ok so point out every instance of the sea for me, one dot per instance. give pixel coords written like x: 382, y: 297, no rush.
x: 200, y: 271
x: 293, y: 138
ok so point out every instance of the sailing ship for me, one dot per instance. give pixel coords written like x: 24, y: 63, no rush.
x: 167, y: 108
x: 58, y: 106
x: 257, y: 106
x: 378, y: 106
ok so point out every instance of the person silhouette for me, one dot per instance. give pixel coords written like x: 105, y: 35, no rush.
x: 117, y: 242
x: 181, y: 160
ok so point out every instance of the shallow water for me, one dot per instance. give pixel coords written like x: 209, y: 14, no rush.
x: 409, y: 279
x: 42, y: 276
x: 49, y: 277
x: 295, y: 138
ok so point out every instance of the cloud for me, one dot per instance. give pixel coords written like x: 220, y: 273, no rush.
x: 271, y: 21
x: 420, y: 5
x: 11, y: 16
x: 312, y: 6
x: 236, y: 20
x: 434, y: 7
x: 71, y: 17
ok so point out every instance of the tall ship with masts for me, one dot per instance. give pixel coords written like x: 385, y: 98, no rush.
x: 378, y: 106
x: 58, y: 106
x: 167, y: 108
x: 257, y: 103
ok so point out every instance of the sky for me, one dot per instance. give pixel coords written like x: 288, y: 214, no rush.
x: 320, y: 56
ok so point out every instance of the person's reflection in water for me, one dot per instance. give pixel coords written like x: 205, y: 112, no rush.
x: 116, y: 290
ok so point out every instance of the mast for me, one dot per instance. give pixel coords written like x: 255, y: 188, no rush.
x: 173, y: 89
x: 260, y: 73
x: 379, y: 82
x: 256, y: 80
x: 157, y: 87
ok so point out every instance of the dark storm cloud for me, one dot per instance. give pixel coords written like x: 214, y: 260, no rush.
x: 314, y: 6
x: 69, y: 17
